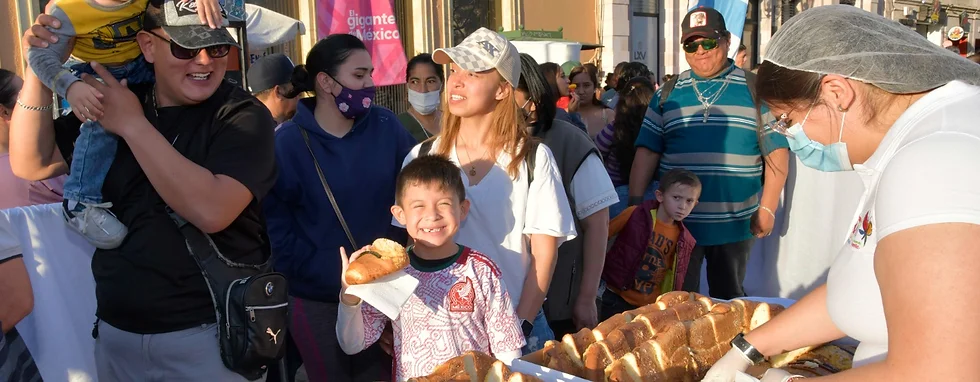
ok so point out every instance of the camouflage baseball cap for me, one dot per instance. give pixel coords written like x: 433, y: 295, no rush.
x: 180, y: 20
x: 481, y: 51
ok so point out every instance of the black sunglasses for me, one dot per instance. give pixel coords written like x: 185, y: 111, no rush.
x: 182, y: 53
x: 707, y: 44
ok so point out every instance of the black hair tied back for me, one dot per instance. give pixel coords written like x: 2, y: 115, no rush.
x: 301, y: 80
x: 8, y: 92
x: 326, y: 56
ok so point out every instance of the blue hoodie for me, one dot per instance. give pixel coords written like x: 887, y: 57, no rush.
x: 360, y: 169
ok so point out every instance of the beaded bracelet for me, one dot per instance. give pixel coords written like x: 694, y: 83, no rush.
x: 35, y: 108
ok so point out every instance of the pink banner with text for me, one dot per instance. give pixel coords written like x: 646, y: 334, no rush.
x: 373, y: 21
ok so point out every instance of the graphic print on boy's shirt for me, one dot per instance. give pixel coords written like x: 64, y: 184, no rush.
x: 656, y: 262
x: 460, y: 304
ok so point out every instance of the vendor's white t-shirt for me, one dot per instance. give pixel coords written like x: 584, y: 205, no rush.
x: 504, y: 212
x: 592, y: 188
x: 923, y: 172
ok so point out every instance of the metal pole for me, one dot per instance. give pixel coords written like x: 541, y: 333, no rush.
x: 243, y: 61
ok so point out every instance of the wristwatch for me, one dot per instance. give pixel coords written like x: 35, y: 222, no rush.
x: 527, y: 327
x: 749, y: 351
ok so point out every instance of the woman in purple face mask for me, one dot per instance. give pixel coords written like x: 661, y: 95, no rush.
x: 338, y: 140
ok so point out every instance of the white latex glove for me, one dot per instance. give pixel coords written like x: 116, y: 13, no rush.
x: 724, y: 370
x: 777, y: 375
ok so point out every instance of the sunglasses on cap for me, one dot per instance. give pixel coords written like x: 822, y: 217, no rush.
x: 707, y: 44
x: 182, y: 53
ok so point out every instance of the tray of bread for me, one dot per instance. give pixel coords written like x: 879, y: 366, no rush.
x: 476, y: 367
x: 677, y: 338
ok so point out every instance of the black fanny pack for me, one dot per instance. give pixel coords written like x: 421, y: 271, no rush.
x: 250, y: 303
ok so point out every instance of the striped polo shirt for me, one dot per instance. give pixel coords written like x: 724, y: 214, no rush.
x: 724, y: 152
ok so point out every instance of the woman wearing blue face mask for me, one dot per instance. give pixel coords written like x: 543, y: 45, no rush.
x: 425, y: 80
x: 900, y: 111
x: 337, y: 141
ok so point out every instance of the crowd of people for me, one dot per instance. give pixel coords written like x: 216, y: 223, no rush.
x: 534, y: 201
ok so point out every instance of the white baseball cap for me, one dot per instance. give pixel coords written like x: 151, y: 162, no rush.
x: 481, y: 51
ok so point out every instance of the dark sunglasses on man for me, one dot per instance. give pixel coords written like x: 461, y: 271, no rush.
x: 182, y: 53
x: 707, y: 44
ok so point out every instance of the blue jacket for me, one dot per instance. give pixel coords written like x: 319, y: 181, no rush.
x: 360, y: 169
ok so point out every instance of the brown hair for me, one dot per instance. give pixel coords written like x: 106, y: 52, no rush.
x: 507, y: 133
x: 550, y: 71
x: 430, y: 170
x: 776, y: 85
x: 592, y: 77
x: 678, y: 176
x: 634, y: 100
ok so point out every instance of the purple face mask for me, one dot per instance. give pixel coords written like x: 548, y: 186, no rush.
x: 354, y: 103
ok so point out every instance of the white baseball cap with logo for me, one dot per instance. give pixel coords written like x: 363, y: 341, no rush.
x: 481, y: 51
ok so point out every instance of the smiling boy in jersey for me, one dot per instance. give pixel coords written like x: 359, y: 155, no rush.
x: 461, y: 303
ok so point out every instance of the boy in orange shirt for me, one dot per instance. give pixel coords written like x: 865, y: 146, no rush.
x: 652, y: 248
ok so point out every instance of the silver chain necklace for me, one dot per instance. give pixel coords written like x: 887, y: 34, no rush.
x: 153, y: 99
x: 708, y: 101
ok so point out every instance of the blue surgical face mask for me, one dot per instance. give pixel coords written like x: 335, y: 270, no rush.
x: 828, y: 158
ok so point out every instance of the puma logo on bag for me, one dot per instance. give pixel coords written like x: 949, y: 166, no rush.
x: 273, y: 335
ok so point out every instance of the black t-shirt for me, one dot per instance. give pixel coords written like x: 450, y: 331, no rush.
x: 150, y: 284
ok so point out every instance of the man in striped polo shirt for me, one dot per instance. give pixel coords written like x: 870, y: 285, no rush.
x: 708, y: 125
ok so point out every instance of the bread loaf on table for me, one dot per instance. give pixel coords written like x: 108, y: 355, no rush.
x: 678, y: 338
x: 469, y: 367
x: 498, y: 372
x: 689, y: 310
x: 705, y: 358
x: 599, y: 356
x: 575, y: 344
x: 754, y: 313
x: 682, y: 367
x: 716, y: 327
x: 540, y: 357
x: 630, y: 335
x: 604, y: 328
x: 705, y: 301
x: 453, y: 368
x: 647, y: 363
x: 650, y: 360
x: 558, y: 358
x: 477, y: 365
x: 382, y: 258
x: 658, y: 306
x: 675, y: 297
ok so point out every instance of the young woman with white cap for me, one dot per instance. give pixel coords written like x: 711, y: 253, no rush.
x: 517, y: 217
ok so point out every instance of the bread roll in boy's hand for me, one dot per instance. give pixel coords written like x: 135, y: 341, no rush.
x: 381, y: 258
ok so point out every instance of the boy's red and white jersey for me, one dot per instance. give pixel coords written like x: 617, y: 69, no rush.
x: 464, y: 306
